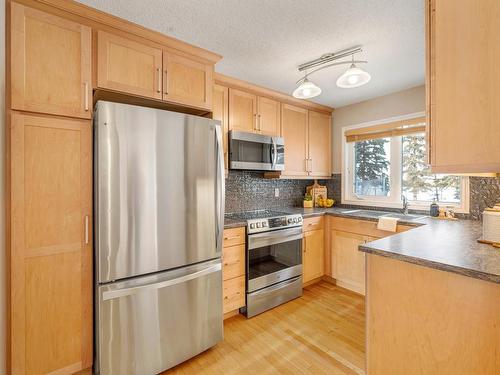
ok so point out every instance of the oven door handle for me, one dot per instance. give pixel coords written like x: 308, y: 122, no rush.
x: 275, y: 237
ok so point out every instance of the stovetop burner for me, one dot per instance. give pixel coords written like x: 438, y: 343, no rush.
x: 252, y: 215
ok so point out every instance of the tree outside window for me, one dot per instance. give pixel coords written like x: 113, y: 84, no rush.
x: 418, y: 183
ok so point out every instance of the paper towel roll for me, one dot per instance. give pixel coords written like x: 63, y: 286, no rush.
x: 491, y: 224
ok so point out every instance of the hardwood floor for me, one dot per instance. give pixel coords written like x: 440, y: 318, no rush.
x: 323, y: 332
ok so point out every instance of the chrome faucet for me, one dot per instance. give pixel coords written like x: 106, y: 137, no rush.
x: 405, y: 205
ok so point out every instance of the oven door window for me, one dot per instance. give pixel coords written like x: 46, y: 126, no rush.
x: 272, y: 259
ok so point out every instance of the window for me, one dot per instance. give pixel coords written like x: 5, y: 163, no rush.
x: 386, y: 161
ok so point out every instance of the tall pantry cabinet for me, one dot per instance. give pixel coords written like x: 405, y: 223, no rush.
x: 49, y: 201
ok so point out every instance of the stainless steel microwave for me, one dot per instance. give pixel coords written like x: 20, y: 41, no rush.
x: 257, y: 152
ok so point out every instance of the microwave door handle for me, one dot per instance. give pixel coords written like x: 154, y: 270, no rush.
x: 274, y: 151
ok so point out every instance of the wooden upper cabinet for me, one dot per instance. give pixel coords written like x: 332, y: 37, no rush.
x: 294, y: 128
x: 242, y: 111
x: 221, y: 112
x: 50, y: 302
x: 127, y: 66
x: 187, y: 81
x: 50, y: 64
x: 463, y: 85
x: 319, y: 137
x: 313, y: 255
x: 269, y: 116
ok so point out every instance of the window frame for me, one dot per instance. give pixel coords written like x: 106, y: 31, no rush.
x: 394, y: 199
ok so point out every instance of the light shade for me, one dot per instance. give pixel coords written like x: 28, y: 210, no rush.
x: 306, y: 90
x: 353, y: 77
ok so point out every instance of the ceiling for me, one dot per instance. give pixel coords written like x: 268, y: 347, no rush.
x: 263, y: 41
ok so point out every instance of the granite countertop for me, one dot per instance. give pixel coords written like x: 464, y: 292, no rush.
x: 445, y: 245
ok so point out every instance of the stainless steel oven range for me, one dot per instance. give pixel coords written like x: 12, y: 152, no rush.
x: 273, y: 260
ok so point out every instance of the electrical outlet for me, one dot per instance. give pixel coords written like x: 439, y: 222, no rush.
x: 276, y: 192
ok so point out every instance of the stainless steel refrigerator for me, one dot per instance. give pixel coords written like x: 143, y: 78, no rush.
x: 159, y: 203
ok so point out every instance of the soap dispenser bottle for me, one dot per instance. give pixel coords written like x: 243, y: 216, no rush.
x: 434, y: 209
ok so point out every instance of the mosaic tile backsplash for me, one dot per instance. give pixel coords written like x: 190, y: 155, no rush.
x: 247, y: 190
x: 250, y: 191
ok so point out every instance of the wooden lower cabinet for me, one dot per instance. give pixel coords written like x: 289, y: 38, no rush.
x: 313, y: 252
x: 50, y: 244
x: 422, y: 320
x: 233, y: 294
x: 233, y: 270
x: 348, y: 263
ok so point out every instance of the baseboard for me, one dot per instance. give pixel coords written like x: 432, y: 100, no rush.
x: 311, y: 282
x: 230, y: 314
x: 329, y: 279
x: 352, y: 287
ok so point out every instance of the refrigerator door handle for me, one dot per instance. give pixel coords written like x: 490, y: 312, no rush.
x: 219, y: 191
x: 112, y: 294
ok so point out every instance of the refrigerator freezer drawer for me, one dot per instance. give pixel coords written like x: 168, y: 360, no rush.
x: 149, y: 324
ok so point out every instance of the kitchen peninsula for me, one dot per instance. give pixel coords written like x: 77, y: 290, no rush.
x: 432, y: 296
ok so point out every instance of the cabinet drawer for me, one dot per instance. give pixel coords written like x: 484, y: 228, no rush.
x: 313, y: 223
x: 233, y: 294
x: 234, y: 261
x: 234, y: 236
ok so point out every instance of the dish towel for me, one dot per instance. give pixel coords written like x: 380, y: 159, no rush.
x: 388, y: 223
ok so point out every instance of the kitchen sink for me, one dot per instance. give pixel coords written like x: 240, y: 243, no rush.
x: 369, y: 213
x: 405, y: 216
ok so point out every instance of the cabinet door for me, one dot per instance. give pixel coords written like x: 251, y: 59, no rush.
x: 187, y: 81
x: 50, y: 245
x: 463, y: 51
x: 348, y: 263
x: 127, y: 66
x: 233, y: 294
x: 294, y: 127
x: 221, y: 112
x: 242, y: 111
x: 269, y: 116
x: 50, y: 64
x: 320, y: 155
x: 313, y: 255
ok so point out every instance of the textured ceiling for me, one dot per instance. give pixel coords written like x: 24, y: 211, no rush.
x: 263, y: 41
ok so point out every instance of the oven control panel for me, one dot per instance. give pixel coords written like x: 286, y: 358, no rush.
x: 273, y: 223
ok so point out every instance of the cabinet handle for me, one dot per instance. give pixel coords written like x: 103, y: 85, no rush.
x: 86, y: 229
x: 260, y: 125
x: 311, y: 165
x: 232, y: 238
x: 159, y: 80
x: 86, y: 97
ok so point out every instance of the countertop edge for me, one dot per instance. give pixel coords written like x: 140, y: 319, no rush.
x: 473, y: 272
x: 432, y: 264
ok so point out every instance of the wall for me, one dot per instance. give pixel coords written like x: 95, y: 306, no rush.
x: 2, y: 184
x: 396, y: 104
